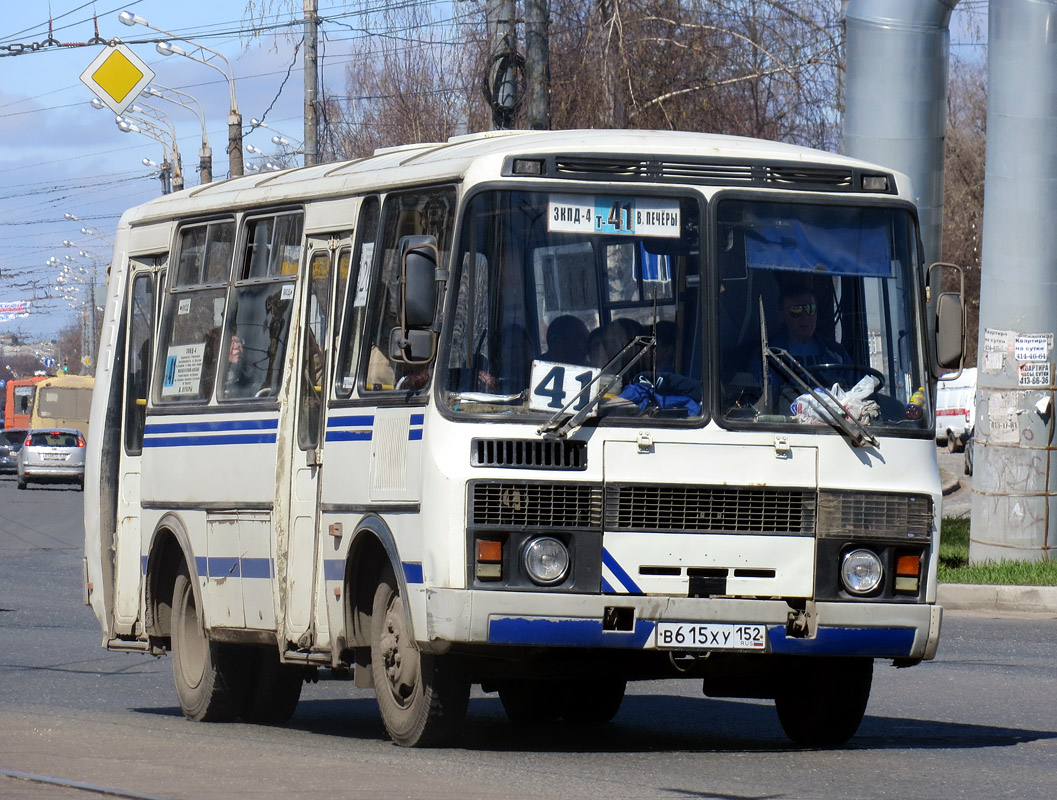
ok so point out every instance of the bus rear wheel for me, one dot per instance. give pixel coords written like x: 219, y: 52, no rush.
x: 531, y: 702
x: 421, y: 697
x: 276, y: 689
x: 824, y: 700
x: 595, y: 702
x: 212, y: 679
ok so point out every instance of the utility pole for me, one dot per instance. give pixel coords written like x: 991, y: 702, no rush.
x: 537, y: 64
x: 311, y: 80
x: 501, y: 81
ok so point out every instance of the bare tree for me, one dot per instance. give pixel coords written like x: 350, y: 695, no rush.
x: 963, y: 182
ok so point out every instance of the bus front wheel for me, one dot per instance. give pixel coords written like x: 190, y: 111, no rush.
x: 212, y: 679
x: 810, y: 719
x: 421, y: 696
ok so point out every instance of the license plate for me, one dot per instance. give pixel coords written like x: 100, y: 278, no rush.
x: 54, y: 456
x: 710, y: 636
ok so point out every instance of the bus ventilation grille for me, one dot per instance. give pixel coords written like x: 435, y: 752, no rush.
x: 874, y: 515
x: 717, y: 173
x: 710, y: 509
x: 550, y: 505
x: 529, y: 453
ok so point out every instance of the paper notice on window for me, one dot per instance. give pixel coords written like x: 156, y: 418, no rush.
x: 363, y: 275
x: 183, y: 370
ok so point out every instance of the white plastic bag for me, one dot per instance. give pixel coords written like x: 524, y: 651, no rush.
x: 817, y: 408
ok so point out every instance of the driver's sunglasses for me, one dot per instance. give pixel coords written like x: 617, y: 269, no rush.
x: 802, y: 308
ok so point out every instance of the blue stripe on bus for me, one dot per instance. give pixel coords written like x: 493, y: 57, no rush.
x: 348, y: 436
x: 606, y: 588
x: 418, y: 419
x: 219, y: 425
x: 414, y: 435
x: 566, y: 632
x: 223, y: 567
x: 213, y: 439
x: 619, y: 573
x: 333, y: 569
x: 351, y: 421
x: 200, y: 566
x: 256, y: 567
x: 833, y: 641
x: 412, y: 572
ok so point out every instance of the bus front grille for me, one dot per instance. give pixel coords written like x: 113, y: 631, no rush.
x: 874, y: 515
x: 529, y: 453
x: 536, y: 504
x: 710, y: 509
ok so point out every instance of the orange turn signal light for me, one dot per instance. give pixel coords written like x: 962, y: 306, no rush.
x: 908, y: 565
x: 489, y: 551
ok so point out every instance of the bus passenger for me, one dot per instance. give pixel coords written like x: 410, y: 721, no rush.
x: 567, y: 341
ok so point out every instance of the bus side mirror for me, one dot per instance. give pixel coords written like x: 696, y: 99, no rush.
x: 415, y: 341
x: 947, y: 340
x: 418, y: 281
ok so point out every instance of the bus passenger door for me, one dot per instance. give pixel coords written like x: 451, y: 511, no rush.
x: 128, y: 542
x: 305, y: 617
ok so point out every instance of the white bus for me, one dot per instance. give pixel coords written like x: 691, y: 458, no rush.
x: 535, y: 411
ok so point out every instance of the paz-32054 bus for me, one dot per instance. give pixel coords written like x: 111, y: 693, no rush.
x: 545, y: 412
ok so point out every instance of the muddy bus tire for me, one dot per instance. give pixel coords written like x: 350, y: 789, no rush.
x: 212, y: 679
x: 276, y: 690
x: 531, y: 702
x: 824, y: 705
x: 594, y: 702
x: 421, y: 697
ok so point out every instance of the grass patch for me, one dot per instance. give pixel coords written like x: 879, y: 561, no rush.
x: 954, y: 563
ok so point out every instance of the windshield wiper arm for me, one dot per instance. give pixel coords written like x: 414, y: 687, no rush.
x: 556, y: 427
x: 800, y: 376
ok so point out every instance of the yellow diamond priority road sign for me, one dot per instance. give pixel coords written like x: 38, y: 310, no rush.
x: 117, y: 76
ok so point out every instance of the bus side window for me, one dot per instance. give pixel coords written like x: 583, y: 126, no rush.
x: 317, y: 335
x: 253, y: 351
x: 194, y: 313
x: 355, y: 294
x: 138, y: 360
x: 429, y: 213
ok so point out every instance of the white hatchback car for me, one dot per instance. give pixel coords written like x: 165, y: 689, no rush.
x: 51, y: 455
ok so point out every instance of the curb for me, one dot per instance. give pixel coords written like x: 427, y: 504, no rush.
x: 984, y: 597
x: 949, y: 483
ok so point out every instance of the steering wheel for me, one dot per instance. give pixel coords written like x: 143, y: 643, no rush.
x: 861, y: 368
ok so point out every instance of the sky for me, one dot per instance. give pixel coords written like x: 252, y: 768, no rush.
x: 59, y: 156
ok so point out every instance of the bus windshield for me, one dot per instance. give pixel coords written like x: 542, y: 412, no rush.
x: 817, y: 298
x: 577, y: 301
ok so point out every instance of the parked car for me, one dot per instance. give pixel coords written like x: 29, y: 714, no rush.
x: 956, y: 409
x: 51, y: 455
x: 10, y: 443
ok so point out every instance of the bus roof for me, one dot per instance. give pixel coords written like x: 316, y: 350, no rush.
x: 452, y: 160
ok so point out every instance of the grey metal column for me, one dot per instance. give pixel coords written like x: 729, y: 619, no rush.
x: 896, y: 90
x: 1014, y: 481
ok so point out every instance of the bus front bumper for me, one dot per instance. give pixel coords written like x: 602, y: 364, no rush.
x: 880, y: 630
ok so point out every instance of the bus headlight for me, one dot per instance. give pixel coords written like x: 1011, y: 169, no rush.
x: 546, y: 560
x: 861, y: 571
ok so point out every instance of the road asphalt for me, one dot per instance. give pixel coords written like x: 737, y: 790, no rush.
x: 978, y: 597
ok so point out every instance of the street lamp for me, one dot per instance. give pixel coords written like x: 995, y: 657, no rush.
x: 207, y: 56
x: 175, y: 96
x: 175, y: 169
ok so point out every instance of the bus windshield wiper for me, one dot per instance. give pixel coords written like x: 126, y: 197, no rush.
x: 831, y: 408
x: 560, y: 428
